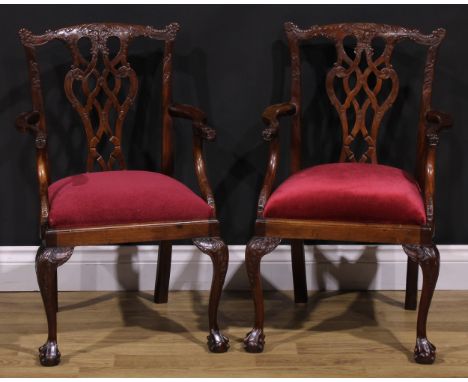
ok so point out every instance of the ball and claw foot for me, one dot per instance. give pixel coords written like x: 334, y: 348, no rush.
x: 49, y: 354
x: 424, y: 351
x: 217, y: 343
x: 254, y: 341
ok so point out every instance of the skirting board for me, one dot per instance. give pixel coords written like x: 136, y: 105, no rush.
x: 329, y: 267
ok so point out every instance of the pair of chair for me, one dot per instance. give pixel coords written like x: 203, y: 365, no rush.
x: 355, y: 201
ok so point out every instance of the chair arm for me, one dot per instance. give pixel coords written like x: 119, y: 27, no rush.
x: 436, y: 122
x: 271, y: 115
x: 198, y: 118
x: 29, y: 122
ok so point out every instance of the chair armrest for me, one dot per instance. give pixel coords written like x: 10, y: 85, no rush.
x: 271, y: 115
x: 436, y: 122
x: 30, y: 122
x: 198, y: 118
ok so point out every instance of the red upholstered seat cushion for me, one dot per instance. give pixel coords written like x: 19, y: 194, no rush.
x: 122, y: 197
x: 357, y: 192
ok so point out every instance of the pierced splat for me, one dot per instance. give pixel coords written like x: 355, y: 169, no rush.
x: 345, y: 68
x: 368, y: 82
x: 95, y: 85
x: 103, y: 87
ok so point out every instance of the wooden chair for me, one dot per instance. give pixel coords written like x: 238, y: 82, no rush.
x: 358, y: 201
x: 121, y: 206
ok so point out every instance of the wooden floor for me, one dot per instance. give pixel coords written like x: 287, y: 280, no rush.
x: 336, y: 334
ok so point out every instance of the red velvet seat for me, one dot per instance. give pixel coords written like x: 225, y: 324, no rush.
x: 122, y: 197
x: 358, y: 192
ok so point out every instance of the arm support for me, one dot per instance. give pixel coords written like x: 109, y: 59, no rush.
x: 30, y: 122
x: 270, y: 117
x: 435, y: 123
x: 201, y: 131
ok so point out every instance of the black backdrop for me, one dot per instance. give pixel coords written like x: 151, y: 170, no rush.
x: 232, y: 61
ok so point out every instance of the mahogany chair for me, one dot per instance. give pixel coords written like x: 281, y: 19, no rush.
x: 118, y: 206
x: 356, y: 199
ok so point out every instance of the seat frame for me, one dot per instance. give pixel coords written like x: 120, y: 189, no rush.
x: 415, y: 239
x: 57, y: 244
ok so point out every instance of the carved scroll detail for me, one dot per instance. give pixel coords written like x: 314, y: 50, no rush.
x: 418, y: 253
x: 257, y: 248
x: 54, y: 255
x: 214, y: 248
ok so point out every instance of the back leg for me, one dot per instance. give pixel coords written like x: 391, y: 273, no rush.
x: 163, y: 272
x: 411, y: 296
x: 299, y: 271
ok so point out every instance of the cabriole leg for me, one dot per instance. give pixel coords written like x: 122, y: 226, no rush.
x: 47, y: 262
x: 257, y: 248
x: 218, y: 252
x: 428, y: 259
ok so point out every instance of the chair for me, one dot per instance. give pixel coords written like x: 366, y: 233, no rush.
x: 356, y: 199
x: 118, y: 206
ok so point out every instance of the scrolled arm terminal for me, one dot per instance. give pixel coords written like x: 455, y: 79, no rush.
x: 198, y: 118
x: 29, y: 122
x: 437, y: 121
x: 271, y: 115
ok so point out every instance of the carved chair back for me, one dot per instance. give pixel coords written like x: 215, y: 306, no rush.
x: 363, y: 104
x: 102, y: 88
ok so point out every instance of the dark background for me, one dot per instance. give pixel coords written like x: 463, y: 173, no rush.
x: 232, y: 61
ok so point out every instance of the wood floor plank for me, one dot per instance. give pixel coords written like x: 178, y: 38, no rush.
x: 124, y: 334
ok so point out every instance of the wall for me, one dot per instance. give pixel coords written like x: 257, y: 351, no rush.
x: 328, y: 267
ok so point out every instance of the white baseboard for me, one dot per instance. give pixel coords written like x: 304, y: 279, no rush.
x: 330, y: 267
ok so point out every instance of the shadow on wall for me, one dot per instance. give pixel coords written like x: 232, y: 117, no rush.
x: 343, y: 273
x: 281, y: 312
x: 326, y: 273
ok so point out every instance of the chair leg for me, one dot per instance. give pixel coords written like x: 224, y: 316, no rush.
x: 299, y: 271
x: 411, y: 296
x: 56, y: 288
x: 47, y: 262
x: 428, y: 259
x: 257, y: 247
x: 218, y: 252
x: 163, y: 272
